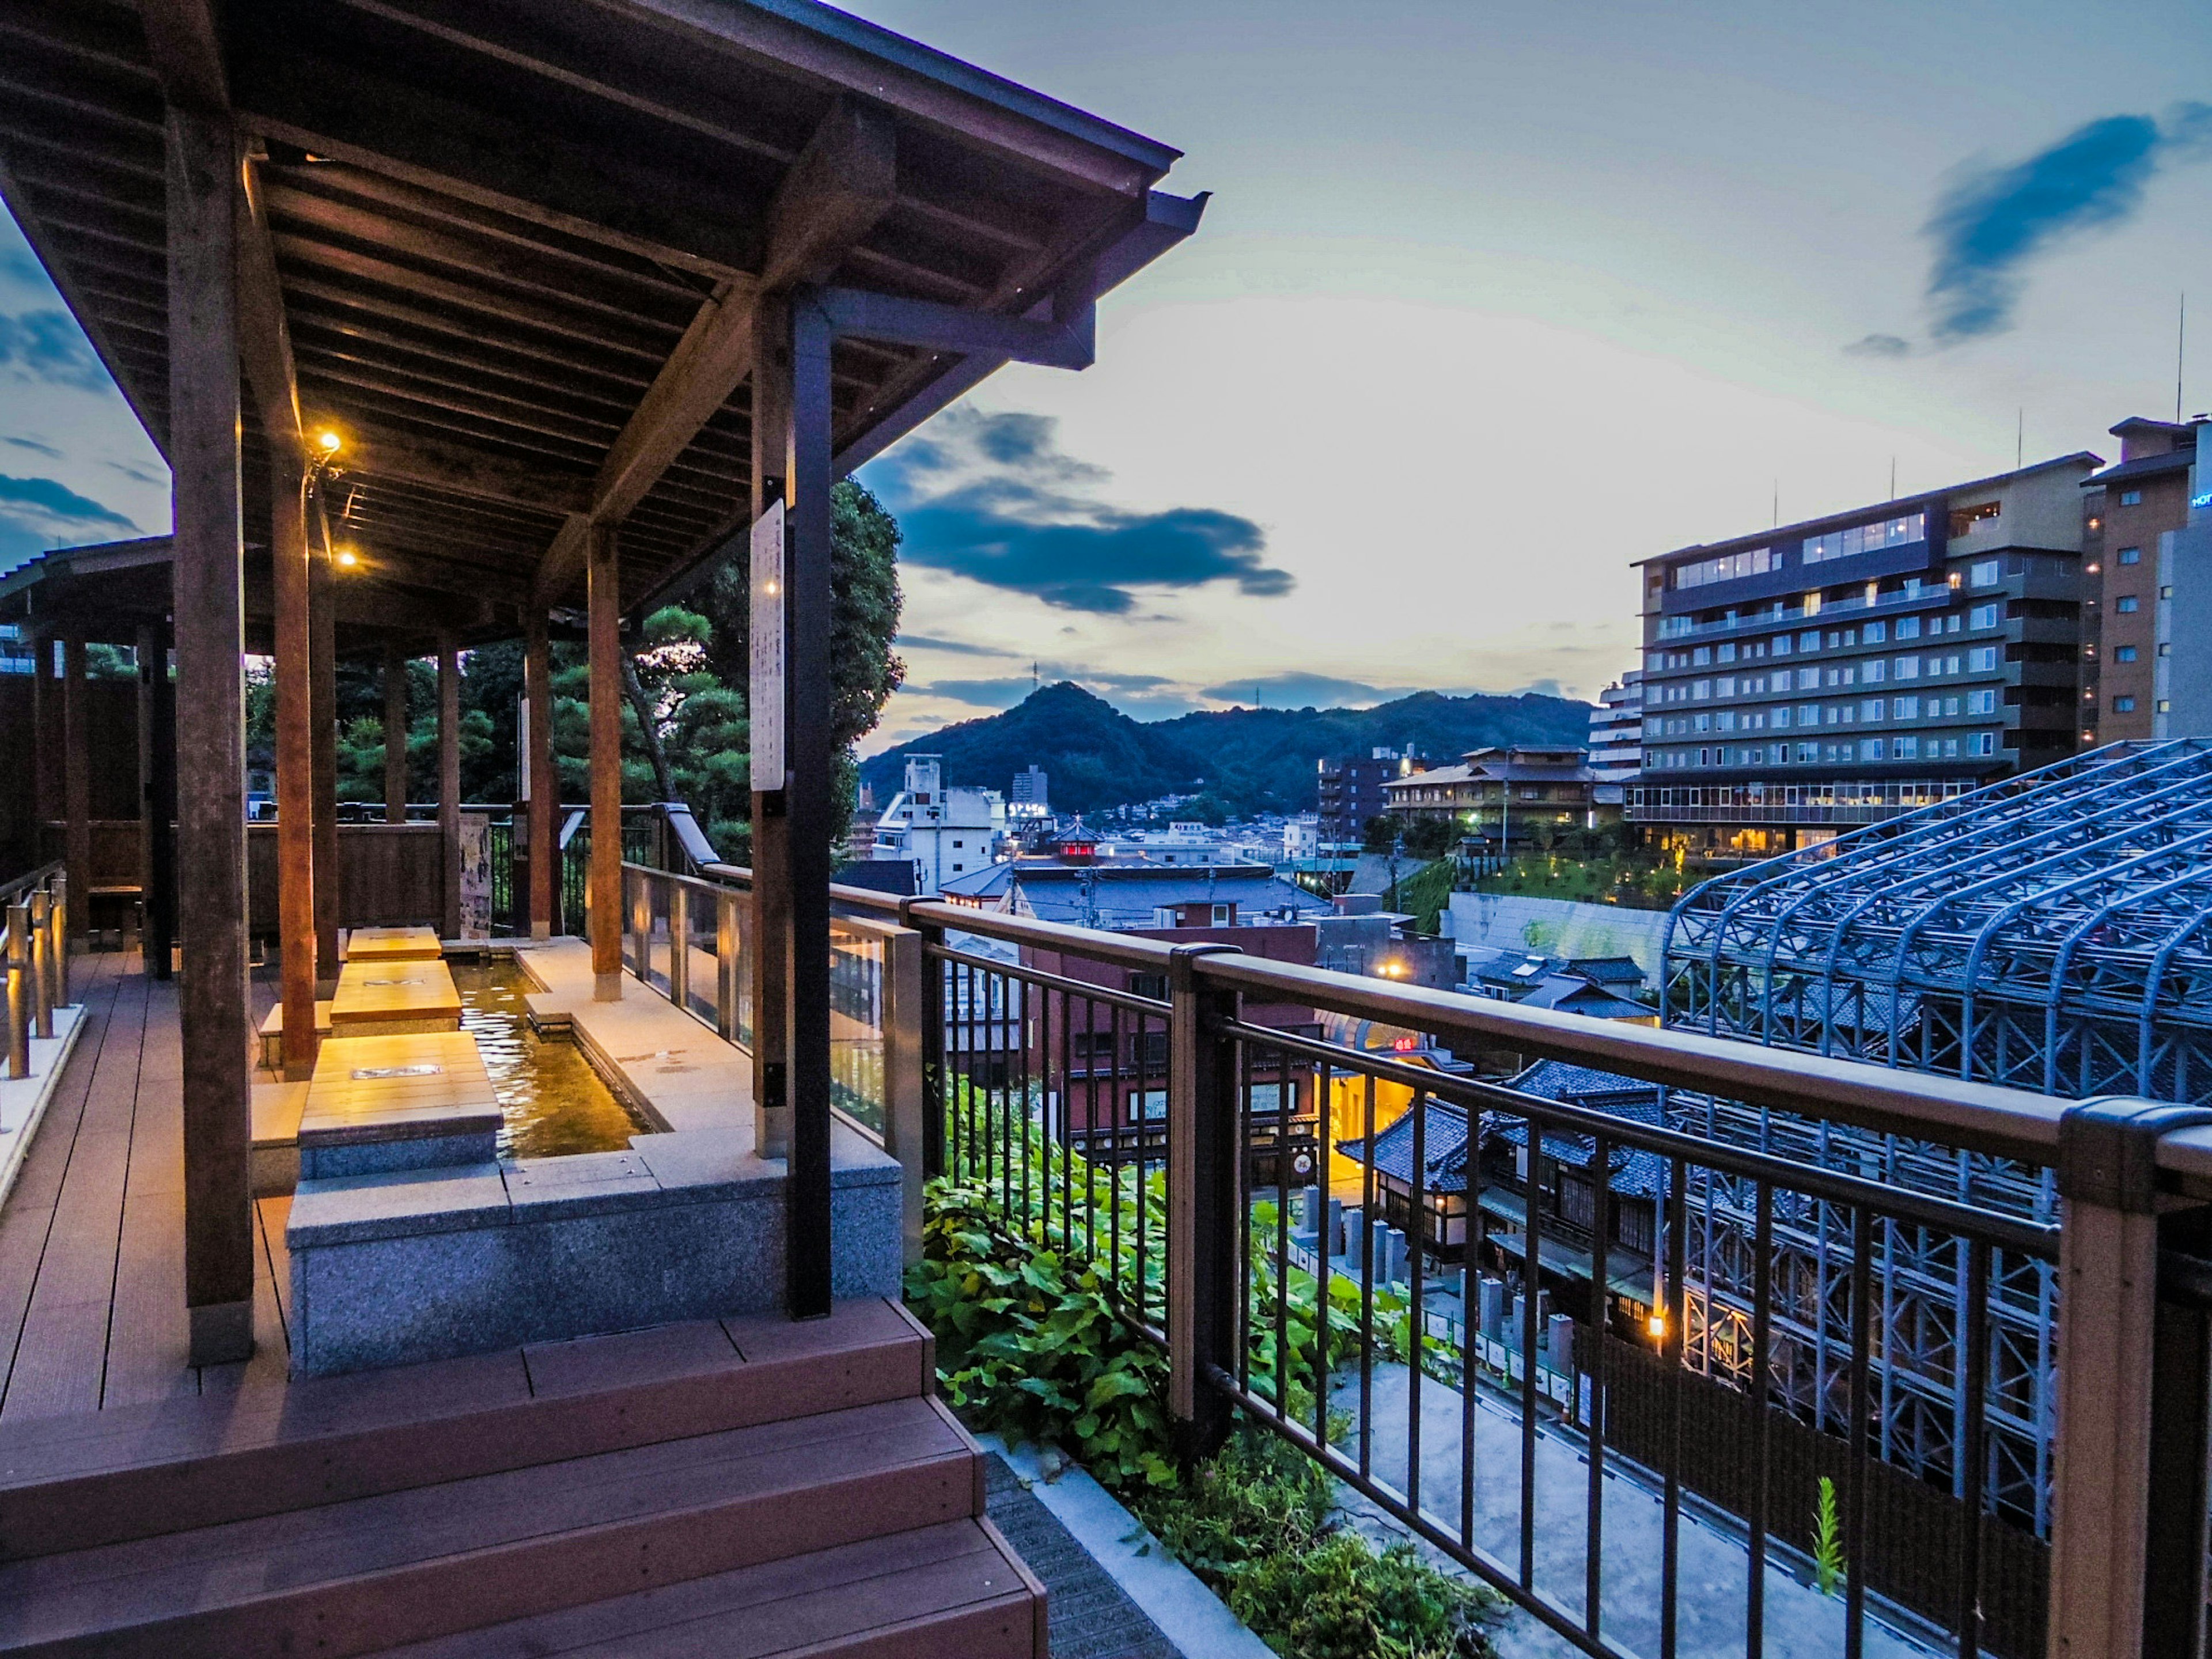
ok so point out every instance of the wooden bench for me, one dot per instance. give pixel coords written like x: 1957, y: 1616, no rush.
x: 392, y: 945
x: 394, y: 999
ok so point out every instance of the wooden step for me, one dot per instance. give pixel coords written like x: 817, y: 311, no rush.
x: 407, y: 1566
x: 77, y: 1482
x: 953, y: 1591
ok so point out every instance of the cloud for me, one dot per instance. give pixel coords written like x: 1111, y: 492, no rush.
x: 37, y: 513
x: 1546, y: 688
x: 983, y: 693
x: 1879, y: 345
x: 138, y: 474
x: 991, y: 497
x: 47, y: 346
x: 1994, y: 222
x: 36, y: 447
x: 1301, y: 690
x: 958, y: 647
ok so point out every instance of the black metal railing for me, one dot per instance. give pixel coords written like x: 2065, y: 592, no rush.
x: 1626, y: 1337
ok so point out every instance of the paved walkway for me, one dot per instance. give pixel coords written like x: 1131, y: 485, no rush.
x: 1800, y: 1622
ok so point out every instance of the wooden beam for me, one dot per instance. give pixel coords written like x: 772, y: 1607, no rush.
x: 212, y: 1005
x: 449, y: 783
x: 187, y: 51
x: 323, y: 713
x: 605, y: 601
x: 544, y: 778
x: 395, y: 735
x: 771, y: 891
x: 76, y: 781
x: 840, y: 186
x: 263, y: 339
x: 291, y: 579
x: 456, y: 468
x: 157, y: 791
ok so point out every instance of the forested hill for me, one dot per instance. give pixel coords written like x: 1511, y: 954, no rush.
x: 1251, y: 760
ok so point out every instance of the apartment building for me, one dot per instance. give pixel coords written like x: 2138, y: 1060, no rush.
x: 1351, y: 790
x: 1616, y: 736
x: 943, y: 832
x: 2132, y: 511
x: 1837, y: 672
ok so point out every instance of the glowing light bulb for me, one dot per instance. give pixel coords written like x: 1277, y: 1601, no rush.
x: 348, y: 558
x: 328, y: 442
x: 1657, y: 1325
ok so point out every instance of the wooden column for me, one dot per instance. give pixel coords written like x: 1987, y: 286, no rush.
x: 157, y: 797
x: 771, y: 909
x: 395, y: 735
x: 605, y: 601
x: 42, y: 742
x: 76, y: 784
x: 449, y: 783
x: 298, y: 874
x: 807, y: 812
x: 204, y: 180
x: 323, y: 715
x: 545, y: 779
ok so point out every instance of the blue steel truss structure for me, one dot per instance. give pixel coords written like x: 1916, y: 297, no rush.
x: 2052, y: 933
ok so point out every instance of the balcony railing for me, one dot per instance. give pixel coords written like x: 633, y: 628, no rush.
x: 1616, y: 1468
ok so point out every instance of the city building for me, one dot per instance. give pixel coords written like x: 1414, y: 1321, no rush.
x: 2128, y: 510
x: 1030, y: 797
x: 1616, y: 736
x: 1525, y: 794
x: 1352, y: 791
x: 943, y: 832
x: 1843, y: 670
x: 1126, y: 898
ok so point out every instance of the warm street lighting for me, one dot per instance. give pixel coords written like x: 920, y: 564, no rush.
x: 328, y: 442
x: 1657, y: 1325
x: 347, y: 558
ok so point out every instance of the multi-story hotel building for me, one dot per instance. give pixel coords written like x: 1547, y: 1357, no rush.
x: 1807, y: 678
x: 2133, y: 510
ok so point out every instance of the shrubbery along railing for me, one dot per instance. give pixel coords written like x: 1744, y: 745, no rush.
x: 1146, y: 1106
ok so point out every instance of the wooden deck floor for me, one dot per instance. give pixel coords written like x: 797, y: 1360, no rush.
x: 91, y: 1298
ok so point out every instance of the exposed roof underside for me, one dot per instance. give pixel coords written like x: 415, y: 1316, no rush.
x: 511, y: 236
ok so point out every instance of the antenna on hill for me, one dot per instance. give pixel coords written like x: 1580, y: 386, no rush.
x: 1036, y: 677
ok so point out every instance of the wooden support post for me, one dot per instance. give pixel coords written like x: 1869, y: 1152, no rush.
x: 449, y: 784
x: 76, y: 785
x: 395, y: 735
x: 298, y: 872
x: 771, y: 893
x: 42, y: 742
x: 204, y: 181
x: 807, y: 814
x: 146, y: 647
x: 323, y: 716
x: 158, y: 759
x: 606, y: 767
x: 545, y: 780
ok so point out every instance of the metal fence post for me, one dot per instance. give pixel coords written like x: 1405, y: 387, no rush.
x: 930, y: 1018
x: 906, y: 1111
x: 19, y: 989
x: 42, y: 982
x: 679, y: 944
x: 59, y: 920
x: 1206, y: 1168
x: 2127, y: 1560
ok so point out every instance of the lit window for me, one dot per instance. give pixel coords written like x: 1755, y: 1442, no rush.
x: 1728, y: 567
x: 2164, y: 707
x: 2130, y: 556
x: 1865, y: 538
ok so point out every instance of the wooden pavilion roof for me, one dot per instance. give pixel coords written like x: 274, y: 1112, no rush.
x: 509, y: 249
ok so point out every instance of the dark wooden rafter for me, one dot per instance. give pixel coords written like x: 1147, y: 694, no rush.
x: 836, y: 190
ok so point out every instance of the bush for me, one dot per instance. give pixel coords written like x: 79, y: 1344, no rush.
x: 1257, y: 1525
x: 1031, y: 1346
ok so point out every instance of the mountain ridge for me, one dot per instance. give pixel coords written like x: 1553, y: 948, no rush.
x: 1253, y: 760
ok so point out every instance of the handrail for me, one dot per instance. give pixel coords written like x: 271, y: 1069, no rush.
x: 1977, y: 1117
x: 37, y: 878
